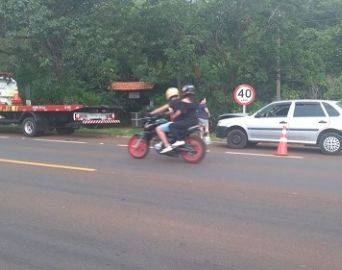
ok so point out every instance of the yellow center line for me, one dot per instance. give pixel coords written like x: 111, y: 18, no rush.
x: 48, y: 165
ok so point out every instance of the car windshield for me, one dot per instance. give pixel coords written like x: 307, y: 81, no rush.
x: 274, y: 110
x: 339, y: 104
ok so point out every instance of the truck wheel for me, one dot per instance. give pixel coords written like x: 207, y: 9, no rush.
x: 236, y: 139
x: 29, y: 127
x: 65, y: 131
x: 330, y: 143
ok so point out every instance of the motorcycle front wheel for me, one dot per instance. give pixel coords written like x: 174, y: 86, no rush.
x: 138, y: 146
x: 194, y: 150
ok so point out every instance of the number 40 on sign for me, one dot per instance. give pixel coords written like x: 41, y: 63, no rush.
x: 244, y: 95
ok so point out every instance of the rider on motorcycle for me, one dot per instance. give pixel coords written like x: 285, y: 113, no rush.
x: 172, y: 96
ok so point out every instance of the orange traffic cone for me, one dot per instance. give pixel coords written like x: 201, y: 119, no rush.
x: 282, y: 146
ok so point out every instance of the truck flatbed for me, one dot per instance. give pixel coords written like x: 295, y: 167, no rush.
x: 39, y: 108
x: 36, y: 119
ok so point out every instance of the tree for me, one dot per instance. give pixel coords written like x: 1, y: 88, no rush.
x: 69, y: 51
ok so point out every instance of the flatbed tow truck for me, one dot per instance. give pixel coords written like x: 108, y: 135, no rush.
x: 35, y: 120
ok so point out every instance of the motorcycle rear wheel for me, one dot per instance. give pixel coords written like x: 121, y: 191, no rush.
x: 138, y: 146
x: 196, y: 152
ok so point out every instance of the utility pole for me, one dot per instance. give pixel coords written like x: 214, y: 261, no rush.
x: 278, y: 75
x: 277, y: 12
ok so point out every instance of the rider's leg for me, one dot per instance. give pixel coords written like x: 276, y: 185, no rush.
x: 177, y: 129
x: 160, y: 130
x: 162, y: 136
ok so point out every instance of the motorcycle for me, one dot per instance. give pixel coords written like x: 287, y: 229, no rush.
x: 193, y: 151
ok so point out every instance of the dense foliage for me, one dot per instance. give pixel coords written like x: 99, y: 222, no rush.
x: 70, y: 50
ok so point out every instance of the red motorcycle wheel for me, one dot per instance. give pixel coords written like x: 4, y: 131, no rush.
x: 198, y: 150
x: 138, y: 146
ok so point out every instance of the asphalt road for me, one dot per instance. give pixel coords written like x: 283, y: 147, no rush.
x: 84, y: 203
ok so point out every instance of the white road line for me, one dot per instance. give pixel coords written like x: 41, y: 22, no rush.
x: 4, y: 137
x: 264, y: 155
x: 59, y: 141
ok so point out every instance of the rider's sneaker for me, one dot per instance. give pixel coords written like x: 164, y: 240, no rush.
x: 158, y: 146
x: 178, y: 143
x: 207, y: 140
x: 166, y: 149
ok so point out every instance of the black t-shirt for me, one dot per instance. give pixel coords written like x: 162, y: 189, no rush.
x: 175, y: 105
x: 188, y: 111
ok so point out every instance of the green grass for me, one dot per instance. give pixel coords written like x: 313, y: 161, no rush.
x: 10, y: 128
x: 113, y: 132
x: 110, y: 132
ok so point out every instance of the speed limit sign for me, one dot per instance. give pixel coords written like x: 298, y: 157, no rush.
x: 244, y: 94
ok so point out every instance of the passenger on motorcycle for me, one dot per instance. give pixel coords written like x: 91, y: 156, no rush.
x: 172, y: 96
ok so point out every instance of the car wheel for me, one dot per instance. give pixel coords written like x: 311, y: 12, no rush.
x: 236, y: 139
x: 330, y: 143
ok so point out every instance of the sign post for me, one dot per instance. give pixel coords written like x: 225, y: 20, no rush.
x: 244, y: 95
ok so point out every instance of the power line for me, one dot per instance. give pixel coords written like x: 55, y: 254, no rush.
x: 326, y: 19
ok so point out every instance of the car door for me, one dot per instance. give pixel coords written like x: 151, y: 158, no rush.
x: 266, y: 125
x: 308, y: 119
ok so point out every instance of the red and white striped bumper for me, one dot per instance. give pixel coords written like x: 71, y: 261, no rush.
x: 99, y: 122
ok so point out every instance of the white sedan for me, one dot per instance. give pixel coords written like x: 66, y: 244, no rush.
x: 309, y: 122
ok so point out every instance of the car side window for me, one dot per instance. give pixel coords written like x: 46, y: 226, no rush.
x: 312, y: 109
x: 330, y: 110
x: 275, y: 110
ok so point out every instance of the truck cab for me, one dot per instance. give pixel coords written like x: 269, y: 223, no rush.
x: 9, y: 94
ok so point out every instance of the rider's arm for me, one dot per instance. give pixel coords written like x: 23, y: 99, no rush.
x: 207, y: 111
x: 161, y: 109
x: 174, y: 115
